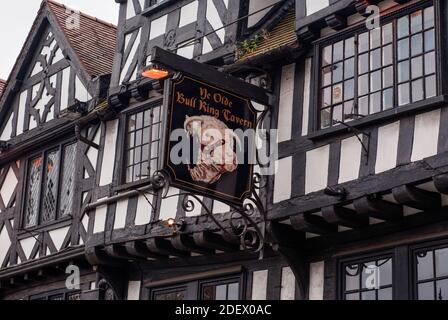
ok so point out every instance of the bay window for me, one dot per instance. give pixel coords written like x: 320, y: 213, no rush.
x: 369, y: 71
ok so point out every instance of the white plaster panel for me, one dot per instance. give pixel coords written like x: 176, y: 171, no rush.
x: 387, y: 147
x: 158, y: 27
x: 288, y: 290
x: 7, y: 131
x: 58, y: 236
x: 215, y: 20
x: 100, y: 219
x: 110, y: 145
x: 188, y: 14
x: 256, y: 5
x: 220, y: 207
x: 120, y: 214
x: 316, y: 290
x: 144, y: 210
x: 259, y: 285
x: 426, y: 135
x: 350, y: 161
x: 168, y: 208
x: 317, y: 163
x: 306, y: 97
x: 312, y: 6
x: 8, y: 186
x: 197, y: 207
x: 282, y: 182
x: 21, y: 112
x: 134, y: 290
x: 286, y: 103
x: 5, y: 243
x: 27, y: 246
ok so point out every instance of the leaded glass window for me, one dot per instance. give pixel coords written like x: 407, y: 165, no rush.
x: 142, y: 144
x: 221, y: 291
x: 380, y: 69
x: 48, y: 197
x: 368, y: 280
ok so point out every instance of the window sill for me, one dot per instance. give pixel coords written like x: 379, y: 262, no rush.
x: 131, y: 186
x: 396, y: 113
x: 62, y: 222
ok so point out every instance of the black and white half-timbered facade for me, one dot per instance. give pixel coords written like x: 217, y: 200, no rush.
x: 355, y: 209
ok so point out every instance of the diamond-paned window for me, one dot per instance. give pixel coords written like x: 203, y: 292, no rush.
x: 50, y: 185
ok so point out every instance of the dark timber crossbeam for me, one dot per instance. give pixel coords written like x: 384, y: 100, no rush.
x: 417, y: 198
x: 378, y: 209
x: 312, y: 223
x: 214, y: 241
x: 344, y: 217
x: 164, y: 247
x: 186, y: 243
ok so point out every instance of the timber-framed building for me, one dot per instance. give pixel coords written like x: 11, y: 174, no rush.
x: 355, y: 211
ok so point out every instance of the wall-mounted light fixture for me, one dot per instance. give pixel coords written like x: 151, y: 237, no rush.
x: 155, y: 72
x: 176, y: 225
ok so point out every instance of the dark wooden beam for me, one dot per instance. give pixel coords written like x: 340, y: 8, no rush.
x: 378, y: 209
x: 209, y: 74
x: 287, y: 241
x: 336, y: 21
x: 119, y: 251
x: 164, y: 247
x: 214, y: 241
x: 140, y: 249
x: 417, y: 198
x: 185, y: 242
x: 344, y: 217
x: 441, y: 183
x: 312, y: 223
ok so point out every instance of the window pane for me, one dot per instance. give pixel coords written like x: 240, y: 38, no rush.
x: 430, y: 63
x: 326, y: 99
x: 337, y: 93
x: 403, y: 71
x: 221, y: 292
x: 363, y: 63
x: 363, y: 42
x: 375, y: 102
x: 417, y: 90
x: 327, y: 55
x: 325, y: 118
x: 403, y: 49
x: 337, y: 72
x: 430, y: 86
x: 233, y: 293
x: 337, y: 113
x: 387, y: 33
x: 416, y: 22
x: 349, y: 68
x: 349, y: 47
x: 375, y: 81
x: 426, y: 291
x: 429, y: 17
x: 375, y: 59
x: 375, y: 38
x: 363, y: 85
x: 387, y: 55
x: 368, y: 295
x: 352, y: 296
x: 363, y: 105
x: 50, y: 190
x: 417, y: 67
x: 352, y: 277
x: 388, y: 99
x: 326, y: 76
x: 68, y: 180
x: 403, y: 94
x: 417, y: 44
x: 385, y: 272
x: 33, y: 192
x: 385, y: 294
x: 442, y: 290
x: 349, y: 111
x: 441, y: 262
x: 425, y: 266
x: 349, y: 90
x: 430, y: 42
x: 388, y: 77
x: 403, y: 27
x: 338, y: 51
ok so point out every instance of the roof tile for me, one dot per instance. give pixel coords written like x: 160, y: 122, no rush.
x: 94, y: 41
x: 2, y: 86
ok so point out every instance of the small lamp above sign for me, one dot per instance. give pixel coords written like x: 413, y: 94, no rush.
x: 155, y: 72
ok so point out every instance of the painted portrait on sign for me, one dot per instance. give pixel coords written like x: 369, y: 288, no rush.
x: 216, y: 161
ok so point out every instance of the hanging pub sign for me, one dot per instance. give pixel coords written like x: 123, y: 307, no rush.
x: 208, y: 149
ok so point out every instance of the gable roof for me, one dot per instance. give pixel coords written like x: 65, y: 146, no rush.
x: 93, y: 42
x: 2, y: 86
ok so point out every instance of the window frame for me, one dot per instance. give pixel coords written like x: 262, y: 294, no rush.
x: 363, y: 258
x: 62, y: 292
x: 194, y: 288
x: 122, y: 183
x: 316, y: 94
x: 60, y: 146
